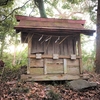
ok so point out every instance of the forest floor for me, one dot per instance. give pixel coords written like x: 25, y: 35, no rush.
x: 12, y: 88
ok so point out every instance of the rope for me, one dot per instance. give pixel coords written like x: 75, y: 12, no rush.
x: 63, y: 40
x: 48, y: 43
x: 52, y: 35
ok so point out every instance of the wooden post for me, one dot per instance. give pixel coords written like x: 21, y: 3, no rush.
x: 65, y: 66
x: 80, y: 53
x: 45, y: 67
x: 29, y: 50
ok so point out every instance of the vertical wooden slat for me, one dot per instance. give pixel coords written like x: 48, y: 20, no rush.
x: 74, y: 45
x: 37, y: 47
x: 45, y: 67
x: 68, y: 46
x: 50, y: 48
x: 56, y: 46
x: 65, y: 66
x: 71, y: 45
x: 33, y: 46
x: 79, y: 52
x: 61, y: 47
x: 77, y: 47
x: 44, y: 44
x: 65, y: 47
x: 29, y: 50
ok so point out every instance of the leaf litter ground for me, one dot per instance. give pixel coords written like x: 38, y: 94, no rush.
x: 12, y: 88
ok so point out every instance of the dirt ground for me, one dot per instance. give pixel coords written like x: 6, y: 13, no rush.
x: 12, y: 88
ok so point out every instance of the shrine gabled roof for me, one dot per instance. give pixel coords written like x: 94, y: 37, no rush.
x: 51, y: 26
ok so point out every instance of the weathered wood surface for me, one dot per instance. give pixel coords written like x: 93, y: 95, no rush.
x: 48, y: 24
x: 80, y: 53
x: 65, y: 66
x: 73, y: 66
x: 36, y: 71
x: 51, y: 56
x: 50, y: 47
x: 51, y: 66
x: 29, y: 50
x: 51, y: 77
x: 73, y: 62
x: 37, y: 47
x: 74, y: 41
x: 54, y: 61
x: 54, y: 66
x: 73, y: 70
x: 31, y: 18
x: 24, y: 37
x: 36, y: 63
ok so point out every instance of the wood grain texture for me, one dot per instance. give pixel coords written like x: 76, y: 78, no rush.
x: 65, y: 66
x: 73, y: 70
x: 36, y: 71
x: 29, y: 51
x: 67, y: 47
x: 37, y: 47
x: 54, y: 66
x: 36, y: 63
x: 52, y: 77
x: 51, y: 56
x: 80, y: 54
x: 73, y: 62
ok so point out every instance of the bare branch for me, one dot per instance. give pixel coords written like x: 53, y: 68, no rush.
x: 73, y: 13
x: 35, y: 1
x: 54, y: 7
x: 14, y: 11
x: 61, y: 12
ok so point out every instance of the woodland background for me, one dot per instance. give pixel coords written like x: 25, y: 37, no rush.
x: 14, y: 54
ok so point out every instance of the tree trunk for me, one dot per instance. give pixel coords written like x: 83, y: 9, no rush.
x: 98, y: 40
x: 40, y: 5
x: 2, y: 45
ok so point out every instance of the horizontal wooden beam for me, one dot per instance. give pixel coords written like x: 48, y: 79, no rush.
x: 49, y: 77
x: 51, y: 56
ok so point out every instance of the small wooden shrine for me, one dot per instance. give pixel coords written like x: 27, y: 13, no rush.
x: 54, y: 47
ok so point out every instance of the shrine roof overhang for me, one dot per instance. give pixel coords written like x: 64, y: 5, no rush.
x: 51, y: 26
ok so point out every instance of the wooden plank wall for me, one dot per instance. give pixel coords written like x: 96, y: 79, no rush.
x: 67, y: 47
x: 36, y: 63
x: 51, y: 66
x: 73, y: 66
x: 54, y: 66
x: 45, y: 66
